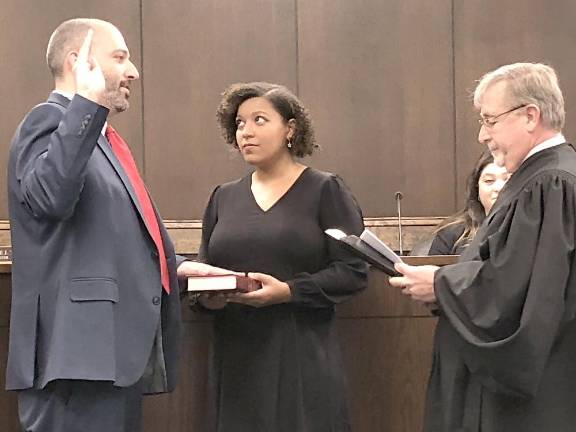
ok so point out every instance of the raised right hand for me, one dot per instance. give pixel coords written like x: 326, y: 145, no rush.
x: 88, y: 76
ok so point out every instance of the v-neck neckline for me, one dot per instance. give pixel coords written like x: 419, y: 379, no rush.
x: 280, y: 198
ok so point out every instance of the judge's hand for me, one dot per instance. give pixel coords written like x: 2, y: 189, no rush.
x: 193, y: 268
x: 88, y: 76
x: 416, y: 281
x: 272, y: 292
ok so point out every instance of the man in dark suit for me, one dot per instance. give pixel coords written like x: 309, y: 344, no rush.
x: 95, y: 298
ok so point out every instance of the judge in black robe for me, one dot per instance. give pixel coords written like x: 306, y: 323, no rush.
x: 505, y: 346
x: 505, y: 351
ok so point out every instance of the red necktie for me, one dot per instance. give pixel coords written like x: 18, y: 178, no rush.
x: 122, y: 152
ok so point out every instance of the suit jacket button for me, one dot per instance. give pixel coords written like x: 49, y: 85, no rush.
x: 156, y: 300
x: 154, y: 254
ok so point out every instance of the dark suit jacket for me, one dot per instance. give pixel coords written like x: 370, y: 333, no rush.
x: 87, y: 299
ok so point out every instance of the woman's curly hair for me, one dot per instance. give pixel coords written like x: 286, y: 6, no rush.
x: 283, y: 100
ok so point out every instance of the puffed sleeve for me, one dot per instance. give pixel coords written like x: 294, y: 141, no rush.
x: 344, y: 274
x: 508, y: 304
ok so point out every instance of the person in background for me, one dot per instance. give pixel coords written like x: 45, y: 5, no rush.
x: 482, y: 188
x: 277, y: 363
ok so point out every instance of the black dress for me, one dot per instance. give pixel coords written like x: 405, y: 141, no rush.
x: 444, y: 241
x: 505, y: 346
x: 278, y: 368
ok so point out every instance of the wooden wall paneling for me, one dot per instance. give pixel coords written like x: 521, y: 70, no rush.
x: 5, y: 301
x: 8, y: 404
x: 379, y: 300
x: 380, y: 92
x: 387, y: 363
x: 25, y: 77
x: 186, y: 234
x: 490, y: 34
x: 185, y: 409
x: 192, y: 53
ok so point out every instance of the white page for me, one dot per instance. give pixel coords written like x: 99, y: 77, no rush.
x: 335, y: 233
x: 370, y: 238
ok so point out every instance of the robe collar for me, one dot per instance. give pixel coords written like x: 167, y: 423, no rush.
x: 550, y: 142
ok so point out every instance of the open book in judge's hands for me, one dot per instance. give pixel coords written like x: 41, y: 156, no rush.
x: 222, y: 283
x: 369, y: 248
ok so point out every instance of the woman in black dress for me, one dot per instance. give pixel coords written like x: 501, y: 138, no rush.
x: 482, y: 188
x: 277, y: 365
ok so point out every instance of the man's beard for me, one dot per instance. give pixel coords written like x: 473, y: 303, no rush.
x: 115, y: 99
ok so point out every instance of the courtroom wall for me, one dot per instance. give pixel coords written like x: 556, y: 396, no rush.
x: 387, y: 83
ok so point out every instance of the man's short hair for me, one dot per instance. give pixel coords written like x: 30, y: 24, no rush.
x: 67, y: 37
x: 528, y: 83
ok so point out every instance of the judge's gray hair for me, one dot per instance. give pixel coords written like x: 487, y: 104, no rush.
x: 528, y: 83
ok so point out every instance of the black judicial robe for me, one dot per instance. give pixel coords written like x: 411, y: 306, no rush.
x: 505, y: 345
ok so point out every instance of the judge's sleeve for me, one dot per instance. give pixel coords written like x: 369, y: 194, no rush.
x: 344, y: 274
x: 508, y: 305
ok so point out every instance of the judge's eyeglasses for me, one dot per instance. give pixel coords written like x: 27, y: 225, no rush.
x: 490, y: 121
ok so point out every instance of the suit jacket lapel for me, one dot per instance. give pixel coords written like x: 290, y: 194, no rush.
x: 107, y: 149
